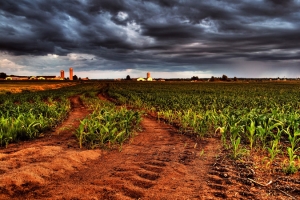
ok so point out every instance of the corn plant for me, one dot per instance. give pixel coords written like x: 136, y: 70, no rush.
x: 251, y: 133
x: 273, y: 150
x: 294, y: 139
x: 235, y: 140
x: 80, y: 132
x: 222, y: 130
x: 291, y: 167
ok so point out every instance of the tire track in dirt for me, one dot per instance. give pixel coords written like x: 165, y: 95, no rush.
x: 158, y: 163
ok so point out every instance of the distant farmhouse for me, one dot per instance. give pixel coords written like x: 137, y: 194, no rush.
x: 12, y: 77
x: 46, y: 78
x: 61, y: 77
x: 22, y: 78
x: 145, y: 79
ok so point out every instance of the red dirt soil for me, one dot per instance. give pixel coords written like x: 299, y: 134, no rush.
x: 158, y: 163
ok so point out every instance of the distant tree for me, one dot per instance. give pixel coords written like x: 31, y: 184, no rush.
x: 194, y: 78
x: 224, y: 78
x: 235, y: 78
x: 128, y: 77
x: 212, y: 78
x: 3, y: 75
x: 75, y: 78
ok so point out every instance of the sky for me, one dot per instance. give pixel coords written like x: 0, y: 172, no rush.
x: 103, y: 39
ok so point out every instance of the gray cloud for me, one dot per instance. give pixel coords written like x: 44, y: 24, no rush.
x: 183, y: 35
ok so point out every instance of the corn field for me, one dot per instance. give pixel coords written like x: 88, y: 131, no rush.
x: 248, y: 117
x: 27, y: 115
x: 107, y: 124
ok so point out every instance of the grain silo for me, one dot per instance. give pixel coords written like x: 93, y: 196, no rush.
x: 149, y: 77
x: 71, y: 74
x: 62, y: 74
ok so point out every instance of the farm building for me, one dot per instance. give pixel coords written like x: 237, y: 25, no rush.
x: 145, y: 79
x: 140, y: 79
x: 45, y: 78
x: 12, y: 78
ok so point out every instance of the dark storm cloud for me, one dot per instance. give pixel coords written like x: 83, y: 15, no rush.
x: 171, y: 32
x: 144, y: 33
x: 280, y: 2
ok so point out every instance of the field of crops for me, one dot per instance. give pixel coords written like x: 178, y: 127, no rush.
x: 250, y: 119
x: 107, y: 124
x: 220, y: 140
x: 30, y: 114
